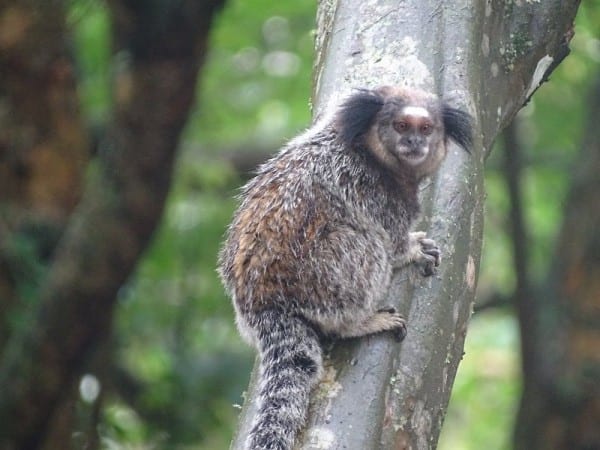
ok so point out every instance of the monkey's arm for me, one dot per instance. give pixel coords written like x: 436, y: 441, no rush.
x: 421, y: 252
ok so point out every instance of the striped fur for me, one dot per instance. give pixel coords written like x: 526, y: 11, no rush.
x: 319, y: 231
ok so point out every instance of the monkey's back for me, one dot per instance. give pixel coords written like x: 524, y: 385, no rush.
x: 310, y: 234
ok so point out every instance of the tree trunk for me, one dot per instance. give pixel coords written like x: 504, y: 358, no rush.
x: 560, y: 404
x: 488, y: 57
x: 43, y: 144
x: 122, y: 203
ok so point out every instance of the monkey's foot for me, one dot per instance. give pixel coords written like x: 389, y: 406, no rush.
x: 424, y: 253
x: 384, y: 319
x: 399, y: 329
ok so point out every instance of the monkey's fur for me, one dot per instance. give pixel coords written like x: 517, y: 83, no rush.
x: 320, y: 229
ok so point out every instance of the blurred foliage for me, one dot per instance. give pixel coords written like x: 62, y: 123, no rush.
x: 256, y: 84
x: 175, y: 334
x: 550, y: 129
x: 487, y: 387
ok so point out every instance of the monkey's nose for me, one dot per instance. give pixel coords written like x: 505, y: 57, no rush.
x: 413, y: 141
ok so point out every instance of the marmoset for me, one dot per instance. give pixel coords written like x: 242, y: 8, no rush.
x: 320, y: 229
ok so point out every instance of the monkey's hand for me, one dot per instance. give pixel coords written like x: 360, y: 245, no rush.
x: 423, y: 253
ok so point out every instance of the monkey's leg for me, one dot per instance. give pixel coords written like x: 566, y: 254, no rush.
x: 422, y: 252
x: 384, y: 319
x: 352, y: 275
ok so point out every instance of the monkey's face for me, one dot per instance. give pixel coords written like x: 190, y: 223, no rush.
x: 404, y: 129
x: 410, y: 135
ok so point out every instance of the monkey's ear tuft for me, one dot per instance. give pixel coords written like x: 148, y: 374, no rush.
x: 458, y: 126
x: 357, y: 113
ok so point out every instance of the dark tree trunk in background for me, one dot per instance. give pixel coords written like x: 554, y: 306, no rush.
x: 488, y: 57
x: 526, y: 303
x: 123, y: 200
x: 560, y: 405
x: 43, y: 144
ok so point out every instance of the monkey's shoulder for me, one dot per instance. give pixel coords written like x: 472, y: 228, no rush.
x: 290, y: 206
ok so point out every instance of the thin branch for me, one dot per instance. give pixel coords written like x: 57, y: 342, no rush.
x: 492, y: 301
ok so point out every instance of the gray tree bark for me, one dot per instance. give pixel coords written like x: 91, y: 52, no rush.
x: 488, y: 57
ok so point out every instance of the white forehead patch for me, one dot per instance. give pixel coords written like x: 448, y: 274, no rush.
x: 416, y: 111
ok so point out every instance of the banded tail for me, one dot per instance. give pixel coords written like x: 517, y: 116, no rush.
x: 291, y: 364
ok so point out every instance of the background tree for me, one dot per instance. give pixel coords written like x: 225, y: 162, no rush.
x: 560, y: 404
x: 541, y: 154
x: 164, y: 44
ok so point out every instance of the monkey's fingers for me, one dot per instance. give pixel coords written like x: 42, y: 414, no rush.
x: 432, y: 257
x: 400, y: 333
x: 434, y: 253
x: 398, y: 328
x: 428, y: 266
x: 429, y: 247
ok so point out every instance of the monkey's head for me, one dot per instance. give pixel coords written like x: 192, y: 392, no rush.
x: 406, y: 130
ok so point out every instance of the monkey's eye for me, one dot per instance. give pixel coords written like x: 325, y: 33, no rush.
x: 400, y: 126
x: 426, y: 129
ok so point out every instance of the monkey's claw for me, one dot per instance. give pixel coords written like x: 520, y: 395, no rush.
x: 400, y: 333
x: 430, y: 257
x: 397, y: 323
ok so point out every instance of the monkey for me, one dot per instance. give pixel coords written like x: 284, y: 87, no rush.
x: 319, y: 232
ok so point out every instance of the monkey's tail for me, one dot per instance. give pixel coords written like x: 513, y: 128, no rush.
x: 291, y: 364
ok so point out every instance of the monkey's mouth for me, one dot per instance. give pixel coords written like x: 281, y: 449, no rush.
x: 414, y: 155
